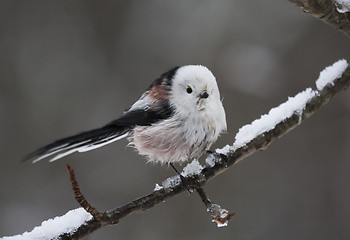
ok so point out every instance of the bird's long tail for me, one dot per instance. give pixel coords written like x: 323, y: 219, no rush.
x: 81, y: 142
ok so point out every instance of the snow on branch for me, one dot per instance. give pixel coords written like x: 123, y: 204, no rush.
x: 52, y: 228
x: 294, y: 105
x: 343, y: 6
x: 329, y: 74
x: 250, y: 138
x: 270, y: 120
x: 333, y: 12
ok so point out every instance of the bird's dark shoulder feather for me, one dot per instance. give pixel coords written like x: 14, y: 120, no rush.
x: 165, y: 79
x: 160, y: 89
x: 144, y: 117
x: 160, y: 108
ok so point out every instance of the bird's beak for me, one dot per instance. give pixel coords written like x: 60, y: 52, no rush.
x: 201, y: 102
x: 204, y: 95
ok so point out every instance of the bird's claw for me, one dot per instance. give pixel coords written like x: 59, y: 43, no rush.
x: 222, y: 157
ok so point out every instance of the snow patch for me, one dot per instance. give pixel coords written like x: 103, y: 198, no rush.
x: 343, y: 6
x: 171, y: 182
x: 157, y: 187
x: 193, y: 168
x: 276, y: 115
x: 211, y: 160
x: 52, y: 228
x: 331, y: 73
x: 224, y: 150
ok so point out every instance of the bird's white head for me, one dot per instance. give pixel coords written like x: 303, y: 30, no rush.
x: 193, y: 86
x: 195, y: 93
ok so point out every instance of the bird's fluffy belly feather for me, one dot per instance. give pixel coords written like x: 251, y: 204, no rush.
x: 168, y: 142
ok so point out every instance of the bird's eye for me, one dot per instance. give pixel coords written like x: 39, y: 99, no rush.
x: 189, y: 90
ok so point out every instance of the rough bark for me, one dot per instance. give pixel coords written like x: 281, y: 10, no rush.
x: 326, y: 11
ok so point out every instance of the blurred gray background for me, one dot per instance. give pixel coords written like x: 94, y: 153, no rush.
x: 70, y: 66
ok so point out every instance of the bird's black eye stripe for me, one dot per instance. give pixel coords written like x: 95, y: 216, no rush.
x: 189, y: 89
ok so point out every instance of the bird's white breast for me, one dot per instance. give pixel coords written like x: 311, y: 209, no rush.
x: 180, y: 138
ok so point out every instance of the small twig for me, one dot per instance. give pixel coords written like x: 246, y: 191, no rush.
x: 80, y: 197
x: 203, y: 196
x: 220, y: 216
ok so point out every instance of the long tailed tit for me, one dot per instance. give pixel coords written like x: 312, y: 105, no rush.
x: 178, y: 118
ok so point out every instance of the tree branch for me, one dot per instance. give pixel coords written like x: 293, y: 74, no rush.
x: 216, y: 163
x: 326, y: 11
x: 78, y: 223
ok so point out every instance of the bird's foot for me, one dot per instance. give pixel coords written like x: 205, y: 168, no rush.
x: 223, y: 157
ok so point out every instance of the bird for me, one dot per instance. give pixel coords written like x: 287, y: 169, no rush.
x: 177, y: 118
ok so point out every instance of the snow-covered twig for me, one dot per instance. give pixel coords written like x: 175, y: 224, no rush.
x: 332, y: 12
x: 220, y: 216
x: 52, y: 228
x: 343, y: 6
x: 266, y: 130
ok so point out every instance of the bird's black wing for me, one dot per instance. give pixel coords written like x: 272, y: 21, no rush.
x: 145, y: 116
x: 115, y: 130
